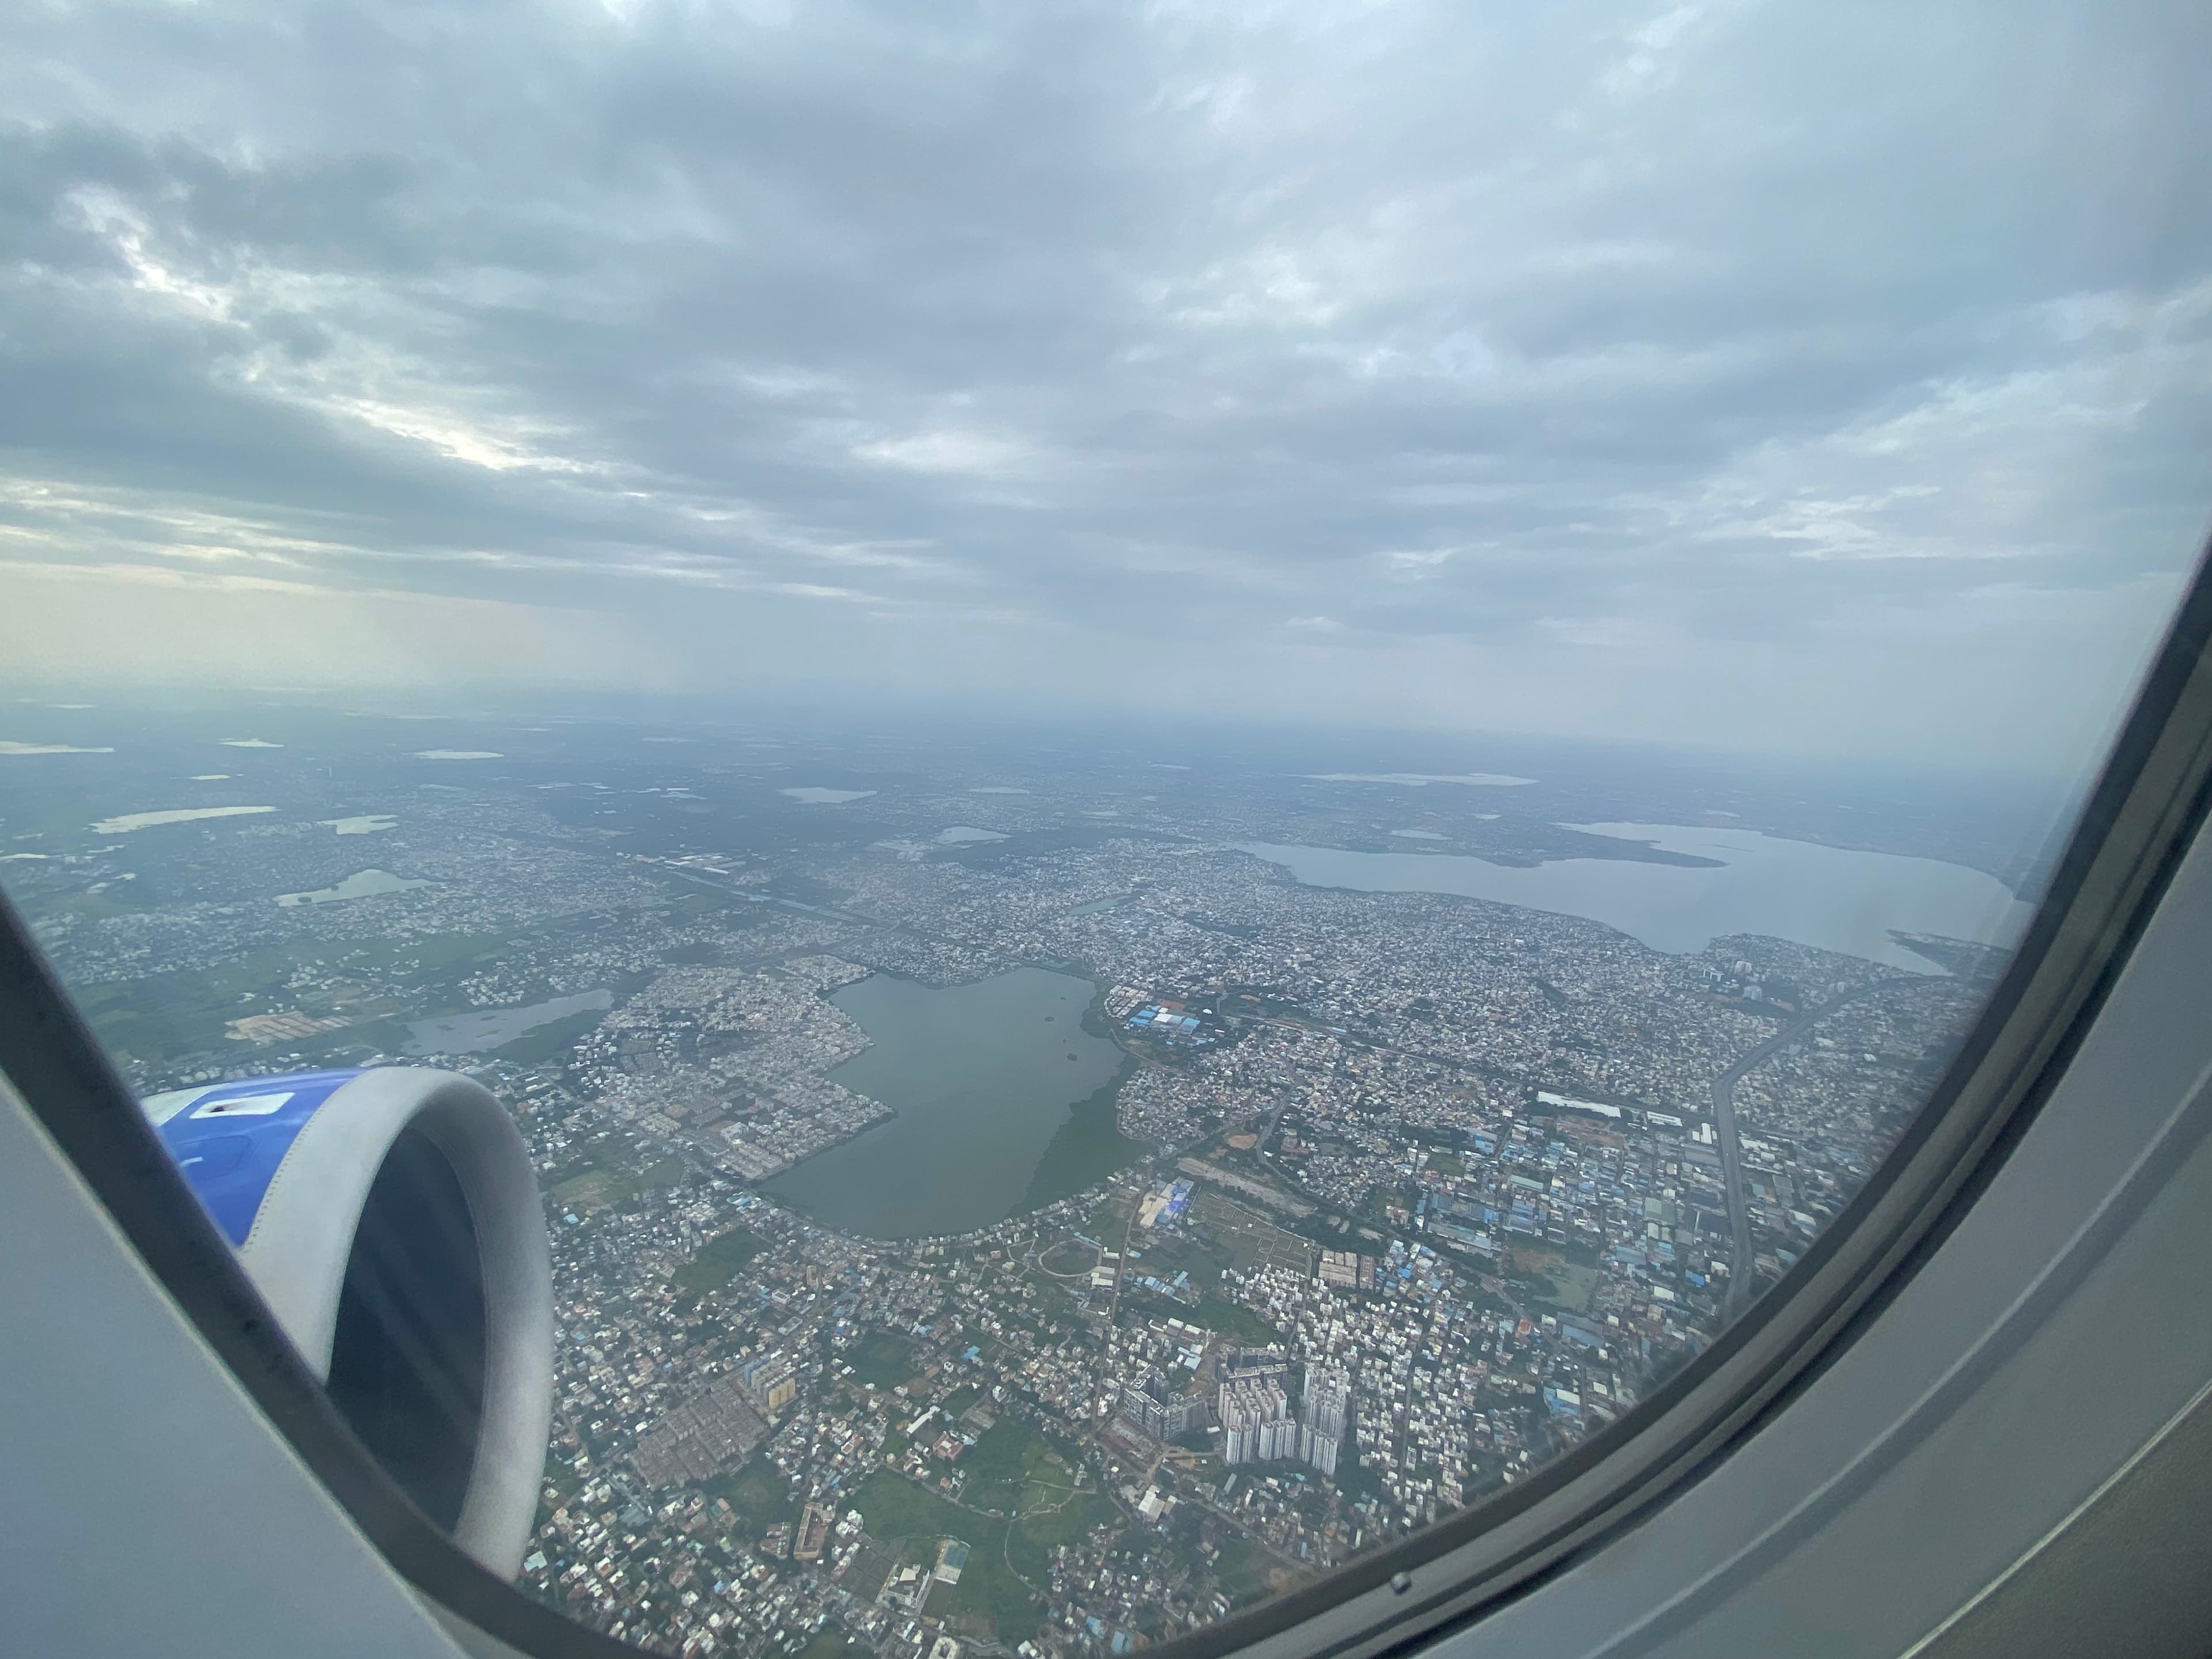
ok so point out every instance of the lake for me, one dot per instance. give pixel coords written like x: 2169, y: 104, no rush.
x: 362, y: 884
x: 981, y: 1077
x: 1827, y: 896
x: 130, y: 821
x: 491, y: 1028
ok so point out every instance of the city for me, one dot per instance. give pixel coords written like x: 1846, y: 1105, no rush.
x: 1269, y: 1221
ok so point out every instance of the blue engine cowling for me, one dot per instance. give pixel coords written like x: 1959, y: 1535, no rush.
x: 390, y: 1218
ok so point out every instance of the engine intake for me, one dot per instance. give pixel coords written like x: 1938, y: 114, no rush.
x: 391, y: 1219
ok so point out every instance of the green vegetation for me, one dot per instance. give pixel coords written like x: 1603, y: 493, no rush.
x: 1088, y: 1147
x: 561, y: 1479
x: 1106, y: 1223
x: 955, y: 1404
x: 1095, y: 1020
x: 1582, y: 1252
x: 1050, y: 1518
x: 1242, y: 1570
x: 428, y: 956
x: 1445, y: 1164
x: 807, y: 890
x: 603, y: 1151
x: 897, y: 1511
x: 717, y: 1262
x: 598, y: 1181
x: 1326, y: 1228
x: 1554, y: 1273
x: 991, y: 1587
x: 828, y: 1643
x: 690, y: 904
x: 706, y: 950
x: 167, y: 1015
x: 116, y: 901
x: 1170, y: 1256
x: 881, y: 1359
x: 759, y: 1492
x: 1063, y: 1517
x: 1569, y: 1287
x: 1050, y: 1301
x: 588, y: 1191
x: 1015, y: 1464
x: 1067, y: 1255
x: 1354, y: 1479
x: 1234, y: 1321
x: 1249, y: 1239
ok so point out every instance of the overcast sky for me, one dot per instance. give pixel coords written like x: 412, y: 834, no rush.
x: 1816, y: 376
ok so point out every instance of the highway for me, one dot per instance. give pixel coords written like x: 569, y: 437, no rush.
x: 1741, y: 1275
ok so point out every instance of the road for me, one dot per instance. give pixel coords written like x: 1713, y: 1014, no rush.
x: 1740, y: 1291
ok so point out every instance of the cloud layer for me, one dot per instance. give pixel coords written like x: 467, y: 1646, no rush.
x: 1833, y: 378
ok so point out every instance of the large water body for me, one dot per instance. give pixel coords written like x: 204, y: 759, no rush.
x: 815, y: 795
x: 362, y: 884
x: 1828, y: 896
x: 980, y: 1076
x: 130, y: 821
x: 488, y: 1028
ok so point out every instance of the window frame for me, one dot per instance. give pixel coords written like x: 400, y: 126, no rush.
x: 2151, y: 801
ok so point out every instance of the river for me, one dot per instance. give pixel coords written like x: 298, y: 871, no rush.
x: 981, y: 1077
x: 1827, y: 896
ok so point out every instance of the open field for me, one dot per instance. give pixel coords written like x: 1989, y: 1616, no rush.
x: 1249, y: 1238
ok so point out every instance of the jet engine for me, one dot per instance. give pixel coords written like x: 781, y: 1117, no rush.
x: 390, y: 1218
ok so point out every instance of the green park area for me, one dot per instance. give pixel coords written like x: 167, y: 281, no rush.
x: 1166, y: 1254
x: 1552, y: 1275
x: 1247, y: 1238
x: 717, y: 1262
x: 990, y: 1598
x: 993, y: 1597
x: 881, y: 1359
x: 759, y: 1492
x: 604, y: 1174
x: 1234, y: 1321
x: 1011, y: 1458
x: 1107, y: 1222
x: 1244, y: 1571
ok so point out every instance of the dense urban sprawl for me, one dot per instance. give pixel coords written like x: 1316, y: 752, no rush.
x: 1401, y: 1194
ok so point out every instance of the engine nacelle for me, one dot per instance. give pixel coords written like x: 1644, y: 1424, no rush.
x: 391, y: 1219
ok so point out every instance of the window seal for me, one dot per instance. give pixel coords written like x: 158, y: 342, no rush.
x: 2148, y: 806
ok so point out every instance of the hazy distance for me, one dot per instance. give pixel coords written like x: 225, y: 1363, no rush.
x: 1702, y: 373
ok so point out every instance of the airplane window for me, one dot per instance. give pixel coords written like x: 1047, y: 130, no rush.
x: 1195, y: 772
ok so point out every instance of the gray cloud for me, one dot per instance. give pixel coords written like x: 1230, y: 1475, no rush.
x: 1736, y: 373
